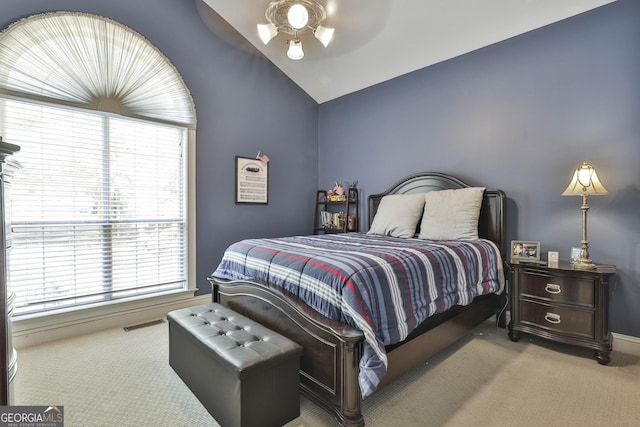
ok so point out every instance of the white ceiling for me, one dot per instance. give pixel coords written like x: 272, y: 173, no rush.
x: 377, y: 40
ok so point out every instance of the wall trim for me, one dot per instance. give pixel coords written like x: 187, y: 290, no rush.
x: 626, y: 344
x: 42, y: 329
x: 29, y: 331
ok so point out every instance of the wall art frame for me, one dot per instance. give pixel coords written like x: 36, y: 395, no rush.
x: 252, y: 181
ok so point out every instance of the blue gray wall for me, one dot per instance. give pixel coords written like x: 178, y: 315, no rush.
x: 519, y: 115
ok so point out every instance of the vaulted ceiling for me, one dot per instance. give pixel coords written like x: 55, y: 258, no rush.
x: 377, y: 40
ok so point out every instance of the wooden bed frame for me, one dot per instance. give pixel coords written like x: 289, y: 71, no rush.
x: 332, y: 350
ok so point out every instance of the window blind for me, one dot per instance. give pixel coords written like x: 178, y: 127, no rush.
x: 98, y: 209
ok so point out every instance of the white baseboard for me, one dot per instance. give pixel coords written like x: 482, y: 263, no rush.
x: 38, y: 330
x: 29, y: 331
x: 626, y: 344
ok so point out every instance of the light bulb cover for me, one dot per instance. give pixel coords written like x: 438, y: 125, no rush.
x: 298, y: 16
x: 267, y: 32
x: 324, y: 35
x: 295, y: 51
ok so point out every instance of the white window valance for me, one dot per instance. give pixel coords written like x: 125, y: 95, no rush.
x: 92, y: 62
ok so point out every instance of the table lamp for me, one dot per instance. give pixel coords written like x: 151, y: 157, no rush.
x: 584, y: 183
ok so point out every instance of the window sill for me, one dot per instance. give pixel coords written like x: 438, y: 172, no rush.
x: 31, y: 330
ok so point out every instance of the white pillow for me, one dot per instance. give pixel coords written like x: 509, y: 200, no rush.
x: 398, y: 215
x: 451, y: 214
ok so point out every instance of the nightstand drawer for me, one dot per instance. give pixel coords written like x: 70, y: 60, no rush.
x: 558, y: 319
x: 558, y: 289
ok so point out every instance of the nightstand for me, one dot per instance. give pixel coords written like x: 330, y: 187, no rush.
x: 562, y: 304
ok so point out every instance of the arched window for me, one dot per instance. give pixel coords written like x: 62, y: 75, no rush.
x: 104, y: 122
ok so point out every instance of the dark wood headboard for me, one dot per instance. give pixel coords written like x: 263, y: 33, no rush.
x: 491, y: 224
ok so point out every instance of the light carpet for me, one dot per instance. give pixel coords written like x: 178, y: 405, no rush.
x: 118, y: 378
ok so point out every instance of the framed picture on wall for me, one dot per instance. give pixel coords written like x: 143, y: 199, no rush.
x: 252, y: 181
x: 523, y: 250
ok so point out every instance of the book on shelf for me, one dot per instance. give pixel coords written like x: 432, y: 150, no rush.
x: 332, y: 220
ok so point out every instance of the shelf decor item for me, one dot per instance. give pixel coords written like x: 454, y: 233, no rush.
x: 585, y: 182
x: 336, y: 194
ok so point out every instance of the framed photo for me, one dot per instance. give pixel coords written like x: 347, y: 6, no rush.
x: 252, y: 181
x: 575, y: 255
x: 528, y: 251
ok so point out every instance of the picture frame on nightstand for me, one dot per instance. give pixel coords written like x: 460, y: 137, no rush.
x: 575, y: 255
x: 525, y: 250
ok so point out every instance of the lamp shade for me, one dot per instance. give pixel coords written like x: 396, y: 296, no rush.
x: 267, y: 32
x: 323, y: 34
x: 585, y: 182
x: 295, y: 50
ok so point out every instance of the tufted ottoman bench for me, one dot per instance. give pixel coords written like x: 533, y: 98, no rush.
x: 243, y: 373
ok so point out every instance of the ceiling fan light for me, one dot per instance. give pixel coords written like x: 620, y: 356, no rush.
x: 298, y: 16
x: 294, y: 18
x: 324, y: 34
x: 267, y: 32
x: 295, y: 50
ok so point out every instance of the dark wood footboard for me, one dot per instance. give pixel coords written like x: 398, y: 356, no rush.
x: 332, y: 350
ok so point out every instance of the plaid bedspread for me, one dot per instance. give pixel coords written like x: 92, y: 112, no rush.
x: 383, y: 286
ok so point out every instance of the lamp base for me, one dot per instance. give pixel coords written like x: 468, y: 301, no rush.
x: 584, y: 264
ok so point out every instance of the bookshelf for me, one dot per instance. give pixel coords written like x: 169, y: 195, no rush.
x: 336, y: 214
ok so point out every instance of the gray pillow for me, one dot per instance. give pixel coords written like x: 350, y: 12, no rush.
x: 452, y: 214
x: 398, y: 215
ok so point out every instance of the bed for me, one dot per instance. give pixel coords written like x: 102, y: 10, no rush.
x: 346, y: 357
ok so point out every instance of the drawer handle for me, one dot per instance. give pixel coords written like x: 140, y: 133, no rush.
x: 552, y: 288
x: 552, y: 318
